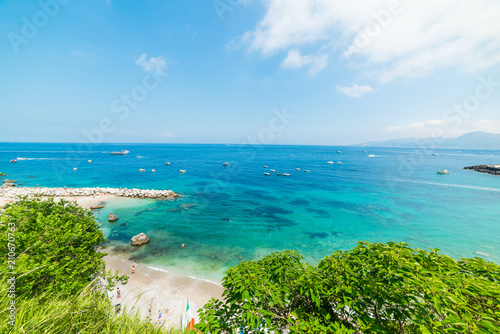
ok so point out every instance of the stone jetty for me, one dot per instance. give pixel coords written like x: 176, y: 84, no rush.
x: 11, y: 192
x: 488, y: 169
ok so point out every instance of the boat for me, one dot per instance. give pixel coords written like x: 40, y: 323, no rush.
x: 297, y: 168
x: 167, y: 163
x: 13, y: 160
x: 75, y: 168
x: 267, y: 174
x: 21, y: 158
x: 435, y: 154
x: 182, y: 171
x: 90, y: 161
x: 339, y: 162
x: 265, y: 166
x: 307, y: 171
x: 330, y: 162
x: 339, y: 152
x: 279, y: 174
x: 286, y: 174
x: 365, y: 151
x: 122, y: 152
x: 112, y: 218
x: 371, y: 155
x: 97, y: 207
x: 443, y: 172
x: 225, y: 164
x: 153, y: 170
x: 142, y: 170
x: 273, y: 170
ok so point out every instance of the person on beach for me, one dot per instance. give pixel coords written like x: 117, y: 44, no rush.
x: 118, y: 293
x: 133, y: 269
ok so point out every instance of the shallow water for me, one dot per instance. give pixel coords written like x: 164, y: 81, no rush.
x: 229, y: 214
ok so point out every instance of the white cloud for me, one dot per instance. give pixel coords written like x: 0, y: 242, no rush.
x: 294, y: 59
x: 166, y: 135
x: 382, y: 38
x: 440, y: 128
x: 153, y: 64
x: 355, y: 90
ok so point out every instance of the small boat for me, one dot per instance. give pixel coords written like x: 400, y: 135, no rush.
x: 435, y: 154
x: 371, y: 155
x: 307, y: 171
x: 90, y: 161
x: 13, y: 160
x: 297, y: 168
x: 267, y: 174
x: 167, y: 163
x: 265, y: 166
x: 339, y: 162
x: 339, y: 152
x: 279, y: 174
x: 122, y: 152
x: 112, y: 218
x: 182, y: 171
x: 142, y: 170
x: 273, y: 170
x: 21, y: 158
x: 153, y: 170
x: 225, y: 164
x: 443, y: 172
x: 97, y: 207
x: 365, y: 151
x: 330, y: 162
x: 75, y: 168
x: 286, y: 174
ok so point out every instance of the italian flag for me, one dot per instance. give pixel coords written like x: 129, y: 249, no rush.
x: 189, y: 320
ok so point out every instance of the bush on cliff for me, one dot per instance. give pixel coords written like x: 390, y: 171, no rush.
x: 373, y: 288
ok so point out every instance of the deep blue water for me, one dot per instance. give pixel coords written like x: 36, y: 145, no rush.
x: 395, y: 196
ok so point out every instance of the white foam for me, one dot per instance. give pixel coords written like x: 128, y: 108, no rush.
x: 193, y: 277
x: 453, y: 185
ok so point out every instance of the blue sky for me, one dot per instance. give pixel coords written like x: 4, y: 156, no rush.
x: 220, y: 71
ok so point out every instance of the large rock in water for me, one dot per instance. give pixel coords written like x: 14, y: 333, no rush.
x: 140, y: 239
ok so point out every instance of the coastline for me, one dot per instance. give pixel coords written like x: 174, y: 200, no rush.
x: 150, y: 290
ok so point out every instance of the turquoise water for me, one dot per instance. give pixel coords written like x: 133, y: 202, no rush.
x: 394, y: 196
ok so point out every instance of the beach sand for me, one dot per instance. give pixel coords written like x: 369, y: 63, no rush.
x: 151, y: 290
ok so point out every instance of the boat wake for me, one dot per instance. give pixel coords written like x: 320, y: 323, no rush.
x: 453, y: 185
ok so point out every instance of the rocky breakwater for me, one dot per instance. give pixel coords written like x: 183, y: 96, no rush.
x: 488, y: 169
x: 11, y: 192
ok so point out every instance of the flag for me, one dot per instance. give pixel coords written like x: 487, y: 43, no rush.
x: 189, y: 320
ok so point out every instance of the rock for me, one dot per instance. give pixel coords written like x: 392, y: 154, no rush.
x: 140, y: 239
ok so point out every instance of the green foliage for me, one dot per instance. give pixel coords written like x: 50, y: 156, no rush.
x: 3, y: 174
x: 55, y: 243
x: 373, y: 288
x: 84, y: 312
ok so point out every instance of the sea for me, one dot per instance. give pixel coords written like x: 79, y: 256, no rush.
x: 228, y: 214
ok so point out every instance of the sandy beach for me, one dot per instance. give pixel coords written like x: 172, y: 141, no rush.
x: 150, y: 290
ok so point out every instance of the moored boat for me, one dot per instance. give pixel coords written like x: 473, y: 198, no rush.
x: 182, y: 171
x: 330, y: 162
x: 13, y: 160
x: 112, y: 218
x: 297, y: 168
x: 443, y: 172
x: 142, y: 170
x: 286, y: 174
x: 90, y: 161
x: 307, y: 171
x: 225, y: 164
x: 167, y: 163
x: 267, y: 174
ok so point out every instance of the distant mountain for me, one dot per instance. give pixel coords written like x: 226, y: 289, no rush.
x: 473, y: 140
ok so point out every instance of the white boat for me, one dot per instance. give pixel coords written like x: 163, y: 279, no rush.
x: 297, y: 168
x: 330, y: 162
x: 75, y: 168
x: 153, y: 170
x: 225, y: 164
x: 339, y: 162
x: 267, y: 174
x: 90, y: 161
x: 182, y: 171
x: 339, y: 152
x: 142, y: 170
x: 273, y: 170
x: 306, y: 171
x: 443, y: 172
x: 167, y: 163
x: 365, y: 151
x: 286, y: 174
x: 122, y: 152
x: 265, y: 166
x: 371, y: 155
x: 435, y: 154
